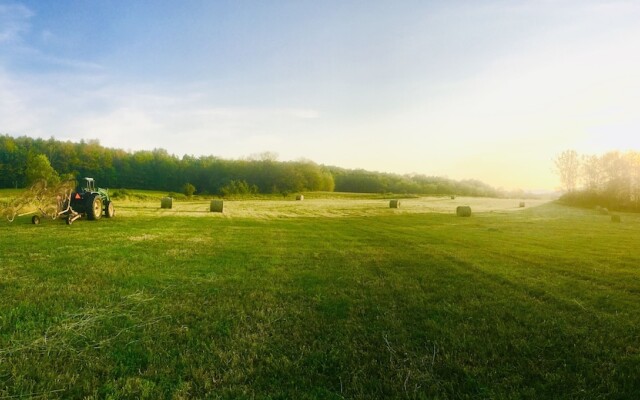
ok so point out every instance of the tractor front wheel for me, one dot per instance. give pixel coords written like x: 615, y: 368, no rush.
x: 94, y: 209
x: 109, y: 211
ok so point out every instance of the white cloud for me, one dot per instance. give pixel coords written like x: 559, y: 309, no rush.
x: 139, y: 117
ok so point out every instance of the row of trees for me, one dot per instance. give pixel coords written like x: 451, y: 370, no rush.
x: 361, y: 181
x: 610, y: 180
x: 159, y: 170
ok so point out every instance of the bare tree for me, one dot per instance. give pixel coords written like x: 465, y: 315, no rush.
x: 633, y: 167
x: 616, y: 175
x: 568, y: 167
x: 591, y: 173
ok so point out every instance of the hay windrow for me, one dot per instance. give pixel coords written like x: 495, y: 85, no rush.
x: 91, y: 328
x: 142, y: 238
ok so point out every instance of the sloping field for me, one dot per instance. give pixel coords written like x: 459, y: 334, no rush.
x: 297, y: 300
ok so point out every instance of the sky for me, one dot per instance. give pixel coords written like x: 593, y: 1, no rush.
x: 489, y: 90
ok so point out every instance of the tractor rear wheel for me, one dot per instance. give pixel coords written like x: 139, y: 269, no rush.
x: 109, y: 211
x: 94, y: 207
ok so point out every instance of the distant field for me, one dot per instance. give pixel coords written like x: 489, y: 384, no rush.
x: 326, y: 298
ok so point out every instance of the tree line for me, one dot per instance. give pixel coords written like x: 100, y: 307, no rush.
x: 159, y: 170
x: 609, y: 180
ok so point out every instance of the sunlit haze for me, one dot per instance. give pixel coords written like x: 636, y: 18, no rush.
x: 488, y: 90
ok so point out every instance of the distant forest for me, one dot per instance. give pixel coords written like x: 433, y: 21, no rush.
x: 159, y: 170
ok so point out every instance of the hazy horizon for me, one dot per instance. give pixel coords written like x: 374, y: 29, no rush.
x: 491, y: 91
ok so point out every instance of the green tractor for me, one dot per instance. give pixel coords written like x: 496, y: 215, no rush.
x: 91, y: 201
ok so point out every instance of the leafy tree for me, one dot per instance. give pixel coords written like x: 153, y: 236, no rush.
x: 39, y: 168
x: 12, y: 162
x: 238, y: 188
x: 188, y: 189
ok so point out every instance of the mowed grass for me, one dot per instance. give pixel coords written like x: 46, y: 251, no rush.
x: 318, y: 205
x: 538, y: 303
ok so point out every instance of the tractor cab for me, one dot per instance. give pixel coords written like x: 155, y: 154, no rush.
x: 88, y: 187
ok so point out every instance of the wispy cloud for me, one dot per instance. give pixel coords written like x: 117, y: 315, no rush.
x: 140, y: 117
x: 14, y: 22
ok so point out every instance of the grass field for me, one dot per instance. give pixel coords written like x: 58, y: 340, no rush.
x: 327, y: 298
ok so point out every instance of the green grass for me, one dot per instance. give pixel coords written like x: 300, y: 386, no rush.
x: 539, y: 303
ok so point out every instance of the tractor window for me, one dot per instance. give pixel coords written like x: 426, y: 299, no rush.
x: 88, y: 186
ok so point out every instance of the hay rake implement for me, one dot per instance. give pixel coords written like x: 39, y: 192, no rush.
x: 44, y: 202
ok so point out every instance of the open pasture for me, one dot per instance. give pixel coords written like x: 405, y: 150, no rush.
x: 285, y: 299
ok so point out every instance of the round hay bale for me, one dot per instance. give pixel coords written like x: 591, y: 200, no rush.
x: 604, y: 211
x: 216, y: 206
x: 394, y: 204
x: 166, y: 202
x: 453, y: 197
x: 463, y: 211
x: 300, y: 197
x: 615, y: 218
x: 522, y: 204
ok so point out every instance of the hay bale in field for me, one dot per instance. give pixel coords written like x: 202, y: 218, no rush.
x: 453, y: 197
x: 394, y: 204
x: 463, y: 211
x: 216, y: 206
x: 604, y: 211
x: 615, y: 218
x: 522, y: 204
x: 166, y: 202
x: 300, y: 197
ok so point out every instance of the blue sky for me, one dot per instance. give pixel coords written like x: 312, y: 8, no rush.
x: 491, y: 90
